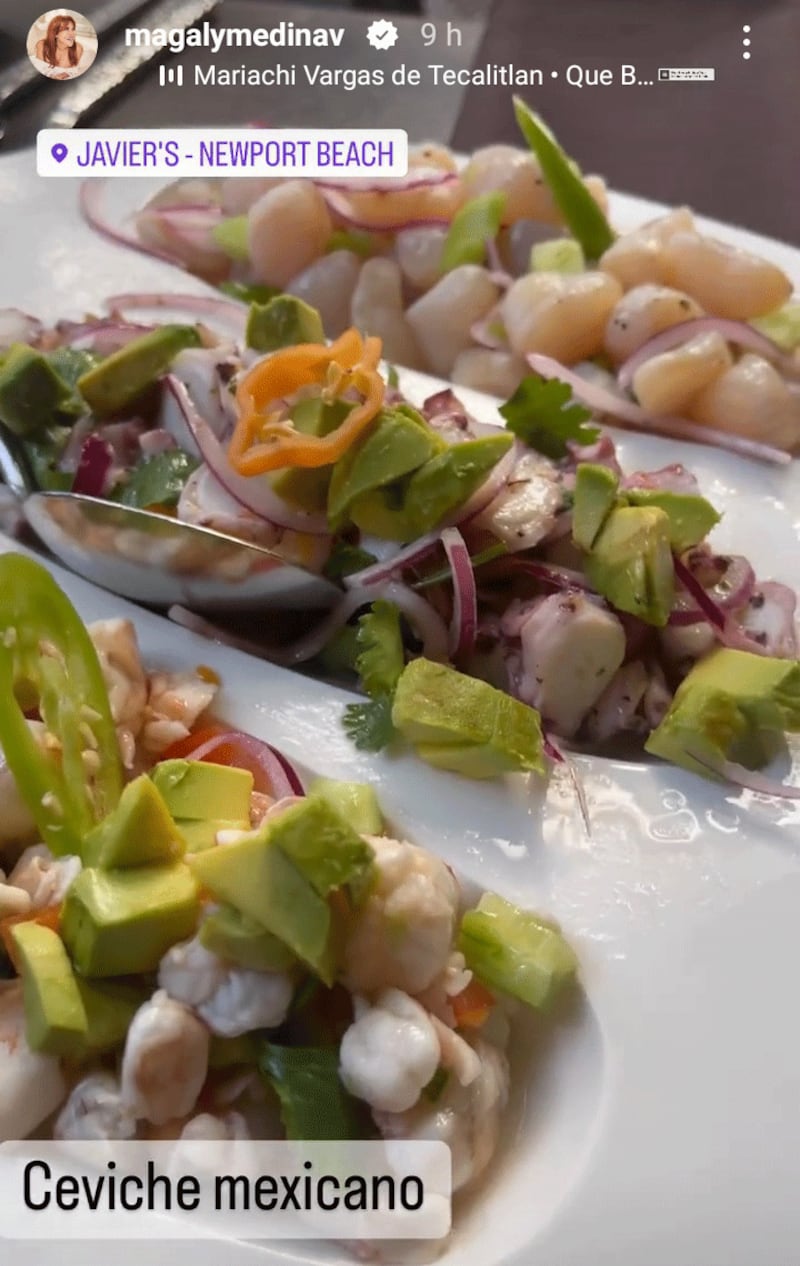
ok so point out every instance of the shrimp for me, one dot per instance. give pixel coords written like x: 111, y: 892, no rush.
x: 563, y: 315
x: 667, y: 383
x: 751, y: 398
x: 165, y: 1061
x: 467, y: 1118
x: 402, y: 934
x: 390, y: 1052
x: 419, y: 254
x: 13, y: 901
x: 508, y: 170
x: 377, y: 308
x: 43, y: 877
x: 118, y: 652
x: 642, y: 313
x: 216, y: 1129
x: 231, y: 1000
x: 725, y: 279
x: 31, y: 1085
x: 525, y: 511
x: 437, y: 998
x: 175, y: 701
x: 240, y: 192
x: 443, y: 318
x: 495, y: 371
x: 288, y: 227
x: 95, y: 1110
x: 328, y: 284
x: 638, y: 257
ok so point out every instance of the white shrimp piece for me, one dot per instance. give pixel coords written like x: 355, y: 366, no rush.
x: 725, y: 279
x: 288, y: 227
x: 638, y: 257
x: 752, y: 399
x: 438, y: 996
x: 496, y: 372
x: 401, y: 935
x: 199, y: 369
x: 216, y: 1129
x: 175, y: 702
x: 667, y: 383
x: 13, y: 901
x: 230, y: 1000
x: 559, y: 314
x: 571, y: 650
x: 615, y: 710
x: 165, y: 1061
x: 31, y: 1085
x: 377, y: 308
x: 238, y: 193
x: 118, y: 652
x: 508, y: 170
x: 390, y: 1052
x: 16, y: 823
x: 525, y: 511
x: 467, y: 1118
x: 419, y: 254
x: 455, y: 1053
x: 327, y: 285
x: 642, y: 313
x: 432, y: 154
x: 95, y: 1110
x: 443, y: 318
x: 43, y: 877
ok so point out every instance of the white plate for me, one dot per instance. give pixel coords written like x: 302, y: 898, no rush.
x: 660, y: 1124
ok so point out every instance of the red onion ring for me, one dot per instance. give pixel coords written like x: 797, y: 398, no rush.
x: 738, y: 332
x: 264, y: 762
x: 465, y: 595
x: 482, y: 333
x: 633, y: 417
x: 426, y: 622
x: 392, y: 184
x: 90, y: 199
x: 376, y: 573
x: 725, y: 630
x: 735, y: 591
x: 253, y: 494
x: 94, y: 464
x: 749, y: 779
x: 558, y: 577
x: 103, y: 337
x: 342, y: 209
x: 492, y: 486
x: 203, y: 305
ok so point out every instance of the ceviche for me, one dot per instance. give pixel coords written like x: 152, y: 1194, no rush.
x: 194, y: 946
x: 476, y: 270
x: 503, y: 588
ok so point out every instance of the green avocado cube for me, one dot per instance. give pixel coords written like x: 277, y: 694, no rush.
x: 200, y: 791
x: 138, y: 832
x: 120, y: 922
x: 691, y: 518
x: 31, y: 391
x: 450, y: 478
x: 400, y: 441
x: 631, y: 564
x: 356, y: 802
x: 284, y: 321
x: 732, y: 706
x: 464, y: 724
x: 595, y: 495
x: 55, y: 1017
x: 515, y: 952
x: 119, y: 379
x: 110, y: 1008
x: 322, y: 845
x: 256, y: 877
x: 237, y: 938
x: 202, y: 835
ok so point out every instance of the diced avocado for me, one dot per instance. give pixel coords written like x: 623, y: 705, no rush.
x: 138, y: 832
x: 322, y: 845
x: 282, y: 322
x: 55, y: 1017
x: 109, y: 1007
x: 226, y: 1052
x: 307, y: 487
x: 202, y: 835
x: 731, y: 706
x: 449, y: 479
x: 595, y: 494
x: 126, y: 374
x: 31, y: 391
x: 691, y: 518
x: 119, y: 922
x: 463, y: 724
x: 356, y: 802
x: 238, y: 939
x: 781, y: 325
x: 382, y: 513
x: 511, y: 950
x: 399, y: 442
x: 562, y: 255
x: 231, y: 235
x: 631, y: 565
x: 256, y: 877
x: 200, y: 791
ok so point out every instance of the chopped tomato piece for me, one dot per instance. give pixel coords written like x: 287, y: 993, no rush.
x: 185, y: 746
x: 471, y: 1007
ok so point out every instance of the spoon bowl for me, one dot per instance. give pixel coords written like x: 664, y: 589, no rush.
x: 161, y: 561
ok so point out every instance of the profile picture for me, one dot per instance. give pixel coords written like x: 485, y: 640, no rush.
x: 62, y: 44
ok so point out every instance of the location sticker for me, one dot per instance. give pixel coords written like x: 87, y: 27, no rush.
x: 59, y: 151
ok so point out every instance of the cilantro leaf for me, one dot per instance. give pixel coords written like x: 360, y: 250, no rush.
x: 345, y: 559
x: 380, y: 659
x: 541, y: 415
x: 369, y: 725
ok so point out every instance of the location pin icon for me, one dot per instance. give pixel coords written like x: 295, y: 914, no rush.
x: 59, y: 151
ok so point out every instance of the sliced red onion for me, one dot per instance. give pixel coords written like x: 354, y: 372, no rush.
x: 601, y: 453
x: 729, y: 593
x: 80, y: 432
x: 492, y: 486
x: 489, y: 333
x: 202, y: 305
x: 377, y: 573
x: 91, y: 205
x: 738, y: 332
x: 416, y: 178
x: 345, y: 212
x: 255, y: 494
x: 158, y: 441
x: 633, y: 416
x: 465, y: 596
x: 102, y: 337
x: 674, y: 478
x: 444, y: 401
x: 706, y: 605
x: 94, y: 465
x: 558, y: 577
x: 17, y: 327
x: 268, y: 766
x: 427, y: 623
x: 725, y: 628
x: 749, y: 779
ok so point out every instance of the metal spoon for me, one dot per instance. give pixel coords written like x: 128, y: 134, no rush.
x: 161, y: 561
